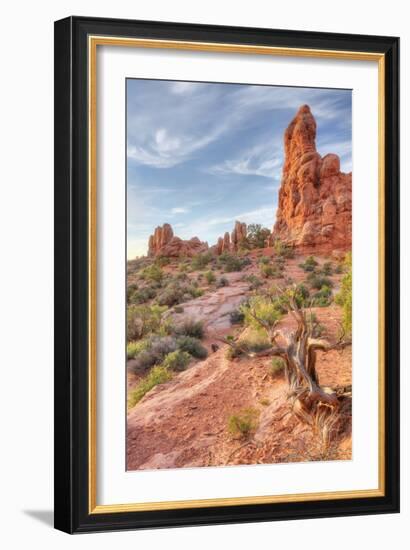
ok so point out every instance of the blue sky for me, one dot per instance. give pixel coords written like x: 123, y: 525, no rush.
x: 202, y: 155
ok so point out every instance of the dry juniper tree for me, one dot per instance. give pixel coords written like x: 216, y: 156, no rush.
x: 316, y: 405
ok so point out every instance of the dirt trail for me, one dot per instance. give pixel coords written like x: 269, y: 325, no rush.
x: 183, y: 423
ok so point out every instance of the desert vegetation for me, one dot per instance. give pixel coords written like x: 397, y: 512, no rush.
x: 263, y: 308
x: 239, y: 351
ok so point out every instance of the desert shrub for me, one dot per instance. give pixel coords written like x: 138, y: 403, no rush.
x: 192, y: 346
x: 236, y: 316
x: 253, y: 342
x: 277, y: 366
x: 222, y: 281
x: 243, y: 423
x: 153, y: 354
x: 323, y: 297
x: 264, y: 402
x: 189, y: 327
x: 263, y: 308
x: 284, y: 250
x: 210, y: 277
x: 162, y: 261
x: 176, y: 360
x: 200, y: 261
x: 344, y: 297
x: 158, y: 375
x: 327, y: 268
x: 142, y: 320
x: 256, y: 237
x: 134, y: 348
x: 230, y: 263
x: 152, y: 273
x: 317, y: 281
x: 267, y: 271
x: 254, y: 282
x: 177, y: 292
x: 180, y: 277
x: 309, y: 264
x: 143, y: 295
x: 196, y: 292
x: 264, y: 260
x: 130, y: 291
x: 183, y: 267
x: 338, y: 269
x: 178, y: 309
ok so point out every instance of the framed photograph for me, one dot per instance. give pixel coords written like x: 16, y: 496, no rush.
x: 226, y: 274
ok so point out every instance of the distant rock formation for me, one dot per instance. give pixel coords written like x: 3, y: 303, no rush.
x: 230, y: 242
x: 164, y: 243
x: 238, y: 234
x: 315, y: 198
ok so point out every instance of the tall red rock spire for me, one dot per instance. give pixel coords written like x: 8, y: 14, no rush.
x: 315, y: 199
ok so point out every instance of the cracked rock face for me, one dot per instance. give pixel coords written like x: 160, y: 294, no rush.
x: 315, y: 198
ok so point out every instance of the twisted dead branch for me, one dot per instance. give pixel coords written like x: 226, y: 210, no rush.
x: 315, y: 405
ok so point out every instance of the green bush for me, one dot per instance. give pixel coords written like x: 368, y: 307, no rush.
x: 200, y: 261
x: 236, y: 317
x: 178, y: 309
x: 277, y: 366
x: 256, y: 237
x: 309, y: 264
x: 143, y: 295
x: 344, y: 297
x: 254, y: 282
x: 327, y: 268
x: 189, y: 327
x: 134, y: 348
x: 222, y: 281
x: 162, y: 261
x: 142, y: 320
x: 130, y: 291
x: 152, y: 273
x: 210, y: 277
x: 267, y: 271
x: 176, y: 360
x: 192, y: 346
x: 158, y: 375
x: 323, y: 297
x: 264, y: 260
x: 317, y: 281
x: 177, y: 292
x: 265, y: 309
x: 156, y: 348
x: 252, y: 343
x: 231, y: 263
x: 244, y: 422
x: 284, y: 250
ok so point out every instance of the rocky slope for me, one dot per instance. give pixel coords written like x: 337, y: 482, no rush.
x: 315, y: 198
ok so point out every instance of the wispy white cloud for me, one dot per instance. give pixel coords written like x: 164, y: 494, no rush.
x: 262, y: 160
x: 164, y: 150
x: 179, y: 210
x: 186, y: 88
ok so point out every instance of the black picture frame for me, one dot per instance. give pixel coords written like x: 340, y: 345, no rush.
x: 72, y: 276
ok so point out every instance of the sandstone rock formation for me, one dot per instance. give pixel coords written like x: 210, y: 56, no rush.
x: 164, y: 243
x: 230, y: 242
x: 238, y: 234
x: 315, y: 198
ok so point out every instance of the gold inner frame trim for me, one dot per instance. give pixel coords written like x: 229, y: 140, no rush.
x: 93, y: 42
